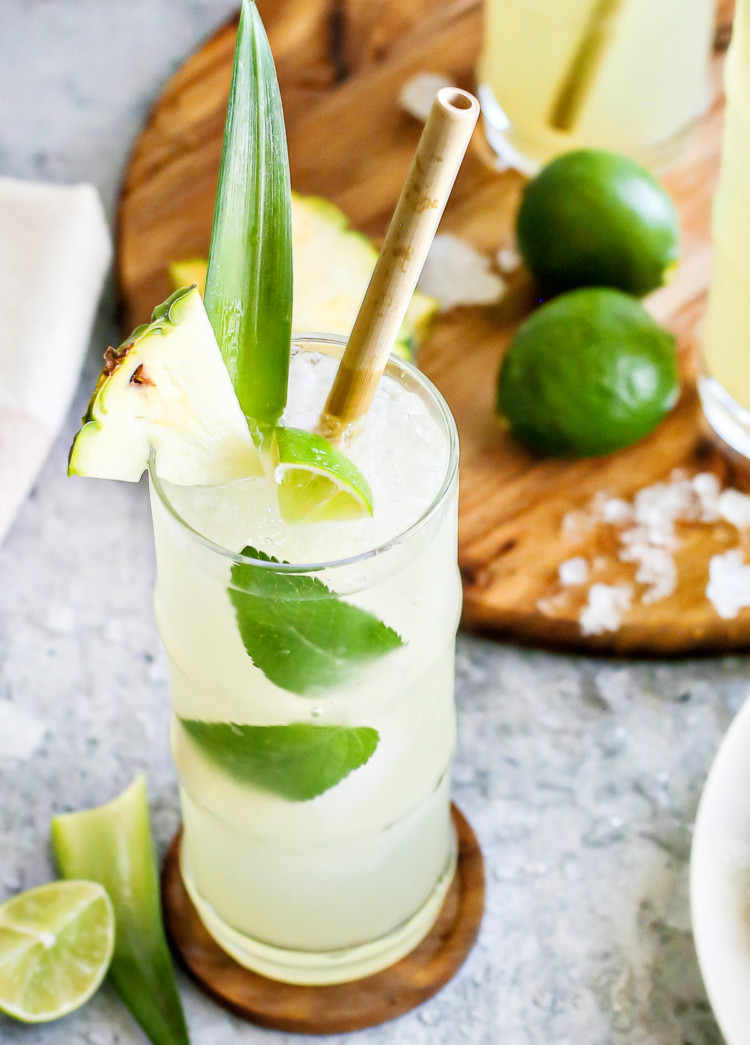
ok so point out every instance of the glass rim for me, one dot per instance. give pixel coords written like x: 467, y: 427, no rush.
x: 395, y: 363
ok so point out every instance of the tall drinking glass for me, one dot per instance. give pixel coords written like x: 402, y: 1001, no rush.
x: 313, y: 722
x: 627, y: 75
x: 724, y: 382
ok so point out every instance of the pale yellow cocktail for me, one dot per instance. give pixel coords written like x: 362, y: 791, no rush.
x: 334, y: 886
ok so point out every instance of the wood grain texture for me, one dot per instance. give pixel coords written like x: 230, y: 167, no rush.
x: 341, y: 1007
x: 342, y: 64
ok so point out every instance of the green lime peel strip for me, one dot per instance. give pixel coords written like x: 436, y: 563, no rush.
x: 249, y: 280
x: 112, y: 844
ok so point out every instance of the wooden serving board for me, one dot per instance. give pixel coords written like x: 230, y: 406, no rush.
x: 342, y: 64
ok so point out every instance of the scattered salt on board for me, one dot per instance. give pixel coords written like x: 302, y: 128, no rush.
x: 646, y: 535
x: 729, y: 583
x: 605, y: 607
x: 574, y: 571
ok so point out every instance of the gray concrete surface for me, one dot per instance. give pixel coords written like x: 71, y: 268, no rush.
x: 580, y: 776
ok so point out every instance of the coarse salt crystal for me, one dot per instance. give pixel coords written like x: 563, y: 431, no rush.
x: 457, y: 274
x: 573, y: 571
x: 655, y: 567
x: 729, y: 583
x: 616, y: 510
x: 708, y: 488
x: 508, y: 260
x: 598, y: 502
x: 605, y: 607
x: 734, y: 507
x: 657, y: 507
x: 418, y: 94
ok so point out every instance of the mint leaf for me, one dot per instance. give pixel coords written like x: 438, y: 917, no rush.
x: 298, y: 761
x: 300, y: 634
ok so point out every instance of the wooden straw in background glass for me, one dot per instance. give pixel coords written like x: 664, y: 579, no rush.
x: 587, y: 61
x: 441, y: 149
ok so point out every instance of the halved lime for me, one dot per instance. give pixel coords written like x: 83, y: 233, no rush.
x: 317, y: 483
x: 56, y: 943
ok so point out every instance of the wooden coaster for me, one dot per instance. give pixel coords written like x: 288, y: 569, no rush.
x: 340, y: 1007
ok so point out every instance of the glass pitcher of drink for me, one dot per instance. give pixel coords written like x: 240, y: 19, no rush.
x: 627, y: 75
x: 724, y: 375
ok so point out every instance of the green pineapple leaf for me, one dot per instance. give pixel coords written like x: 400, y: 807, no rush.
x: 249, y: 280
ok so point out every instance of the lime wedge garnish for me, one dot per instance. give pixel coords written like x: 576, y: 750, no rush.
x: 317, y: 483
x: 56, y: 943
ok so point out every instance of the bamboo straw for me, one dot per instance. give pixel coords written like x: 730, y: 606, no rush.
x: 441, y: 149
x: 587, y: 60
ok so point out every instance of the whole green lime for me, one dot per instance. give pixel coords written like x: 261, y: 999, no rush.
x: 587, y: 373
x: 595, y: 218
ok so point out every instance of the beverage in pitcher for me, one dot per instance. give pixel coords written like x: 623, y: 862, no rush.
x: 724, y: 381
x: 630, y: 76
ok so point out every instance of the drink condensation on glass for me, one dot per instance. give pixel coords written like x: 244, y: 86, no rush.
x: 334, y: 887
x: 631, y: 76
x: 724, y: 381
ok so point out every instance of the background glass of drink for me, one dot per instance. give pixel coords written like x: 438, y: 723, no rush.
x: 627, y: 75
x: 346, y: 883
x: 724, y: 381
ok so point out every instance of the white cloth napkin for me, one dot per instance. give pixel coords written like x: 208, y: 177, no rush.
x: 55, y: 250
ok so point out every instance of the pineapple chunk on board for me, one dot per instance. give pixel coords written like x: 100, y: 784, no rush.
x: 332, y: 267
